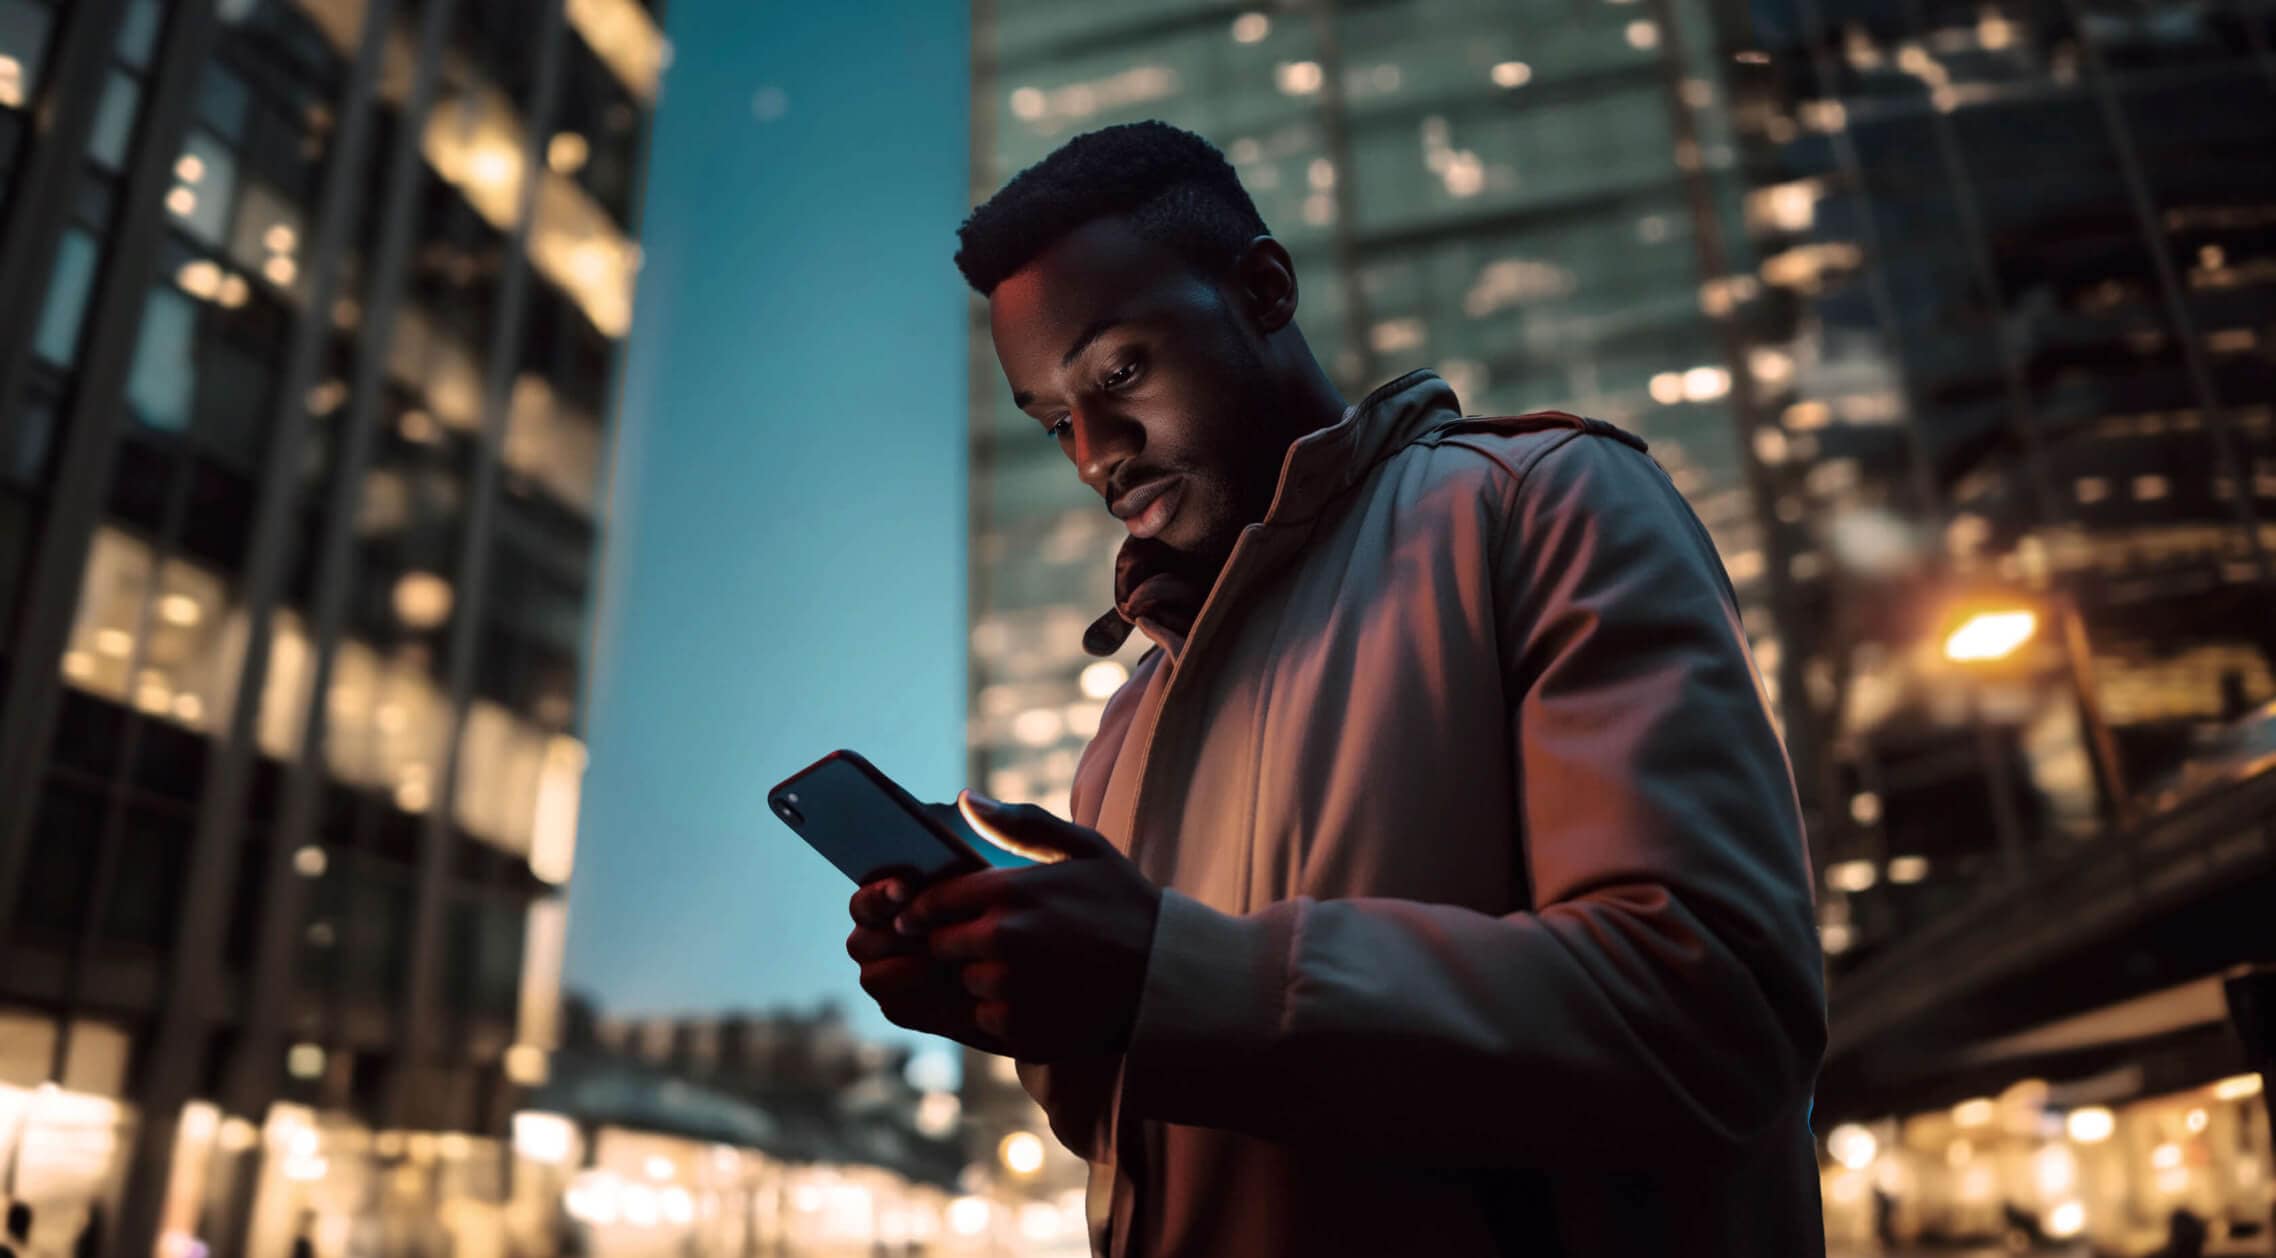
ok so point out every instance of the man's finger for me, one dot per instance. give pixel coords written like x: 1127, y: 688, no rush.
x: 875, y: 903
x: 870, y: 943
x: 987, y: 980
x: 977, y: 940
x: 956, y: 899
x: 889, y: 979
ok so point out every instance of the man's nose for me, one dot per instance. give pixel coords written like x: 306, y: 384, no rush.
x: 1103, y: 440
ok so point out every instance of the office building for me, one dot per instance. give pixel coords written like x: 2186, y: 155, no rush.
x: 312, y: 314
x: 2011, y: 345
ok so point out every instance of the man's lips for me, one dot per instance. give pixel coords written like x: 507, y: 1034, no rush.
x: 1148, y: 508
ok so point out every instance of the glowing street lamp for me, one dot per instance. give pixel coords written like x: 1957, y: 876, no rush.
x: 1991, y: 635
x: 1995, y: 633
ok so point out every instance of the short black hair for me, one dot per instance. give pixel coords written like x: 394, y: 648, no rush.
x: 1176, y: 188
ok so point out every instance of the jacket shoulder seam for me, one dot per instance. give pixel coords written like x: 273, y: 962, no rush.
x: 1524, y: 465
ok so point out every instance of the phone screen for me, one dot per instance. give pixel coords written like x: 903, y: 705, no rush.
x: 866, y: 825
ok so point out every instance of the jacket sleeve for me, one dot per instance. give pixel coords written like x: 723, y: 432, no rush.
x: 1662, y: 1001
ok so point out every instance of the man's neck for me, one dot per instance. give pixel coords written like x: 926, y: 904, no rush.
x: 1312, y: 401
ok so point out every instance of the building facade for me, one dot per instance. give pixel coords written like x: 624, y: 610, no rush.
x: 1954, y: 322
x: 313, y: 310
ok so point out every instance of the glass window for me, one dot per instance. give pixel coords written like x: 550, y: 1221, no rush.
x: 147, y: 893
x: 388, y: 723
x: 59, y: 870
x: 425, y: 358
x: 284, y: 696
x: 223, y: 101
x: 100, y: 653
x: 164, y: 637
x: 267, y: 235
x: 138, y: 37
x: 160, y: 384
x: 65, y: 308
x: 553, y: 444
x: 24, y: 30
x: 201, y: 201
x: 501, y: 761
x: 192, y: 649
x: 114, y: 121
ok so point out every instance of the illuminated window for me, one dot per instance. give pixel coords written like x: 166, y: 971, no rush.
x: 162, y: 638
x: 625, y: 38
x: 554, y: 444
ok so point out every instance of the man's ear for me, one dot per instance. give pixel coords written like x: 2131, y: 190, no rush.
x: 1267, y: 279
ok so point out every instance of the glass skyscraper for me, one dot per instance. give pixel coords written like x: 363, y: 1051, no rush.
x: 312, y: 310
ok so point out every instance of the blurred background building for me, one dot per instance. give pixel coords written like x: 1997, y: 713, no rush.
x: 1956, y: 322
x: 311, y: 316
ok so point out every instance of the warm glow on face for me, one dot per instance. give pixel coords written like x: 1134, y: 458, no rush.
x: 1990, y: 636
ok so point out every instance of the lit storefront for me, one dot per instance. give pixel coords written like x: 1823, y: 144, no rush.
x: 2023, y: 1167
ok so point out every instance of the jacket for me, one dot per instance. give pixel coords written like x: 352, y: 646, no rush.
x: 1487, y: 922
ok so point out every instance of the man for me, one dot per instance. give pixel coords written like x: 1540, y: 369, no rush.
x: 1435, y: 883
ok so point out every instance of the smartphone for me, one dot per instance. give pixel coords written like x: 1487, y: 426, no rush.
x: 863, y: 822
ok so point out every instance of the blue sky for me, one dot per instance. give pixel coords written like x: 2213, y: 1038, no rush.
x: 785, y: 566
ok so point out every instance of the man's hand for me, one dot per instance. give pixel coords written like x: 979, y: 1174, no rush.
x: 911, y: 988
x: 1052, y: 956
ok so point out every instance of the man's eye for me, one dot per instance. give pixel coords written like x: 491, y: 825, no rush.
x: 1058, y: 427
x: 1122, y: 375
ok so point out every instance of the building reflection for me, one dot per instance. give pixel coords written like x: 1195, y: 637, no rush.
x: 304, y: 406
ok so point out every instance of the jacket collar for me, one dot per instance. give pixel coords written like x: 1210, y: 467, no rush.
x: 1317, y: 467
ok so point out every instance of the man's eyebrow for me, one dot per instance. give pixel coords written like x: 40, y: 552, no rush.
x: 1097, y: 328
x: 1089, y: 334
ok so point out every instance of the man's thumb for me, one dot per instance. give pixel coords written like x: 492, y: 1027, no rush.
x: 1028, y: 830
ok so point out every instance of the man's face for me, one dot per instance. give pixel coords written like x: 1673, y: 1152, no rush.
x: 1150, y: 379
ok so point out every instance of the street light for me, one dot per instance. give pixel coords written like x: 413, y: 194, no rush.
x: 1991, y: 634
